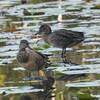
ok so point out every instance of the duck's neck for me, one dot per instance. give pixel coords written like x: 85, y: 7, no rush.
x: 24, y: 49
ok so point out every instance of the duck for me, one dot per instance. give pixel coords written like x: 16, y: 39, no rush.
x: 60, y: 38
x: 31, y: 59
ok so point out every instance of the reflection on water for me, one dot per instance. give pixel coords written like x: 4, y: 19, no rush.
x: 21, y: 21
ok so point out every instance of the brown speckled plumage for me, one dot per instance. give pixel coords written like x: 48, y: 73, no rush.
x: 29, y: 58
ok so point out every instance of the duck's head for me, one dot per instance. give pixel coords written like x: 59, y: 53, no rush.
x: 23, y: 44
x: 44, y: 29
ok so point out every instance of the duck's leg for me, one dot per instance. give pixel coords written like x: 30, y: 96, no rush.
x: 27, y: 74
x: 63, y: 52
x: 63, y: 55
x: 28, y: 77
x: 68, y: 61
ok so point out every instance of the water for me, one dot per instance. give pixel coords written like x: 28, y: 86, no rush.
x: 15, y: 25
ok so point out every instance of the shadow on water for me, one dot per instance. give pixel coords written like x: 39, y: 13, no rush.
x: 77, y: 80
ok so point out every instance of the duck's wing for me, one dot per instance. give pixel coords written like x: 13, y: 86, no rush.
x: 70, y: 34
